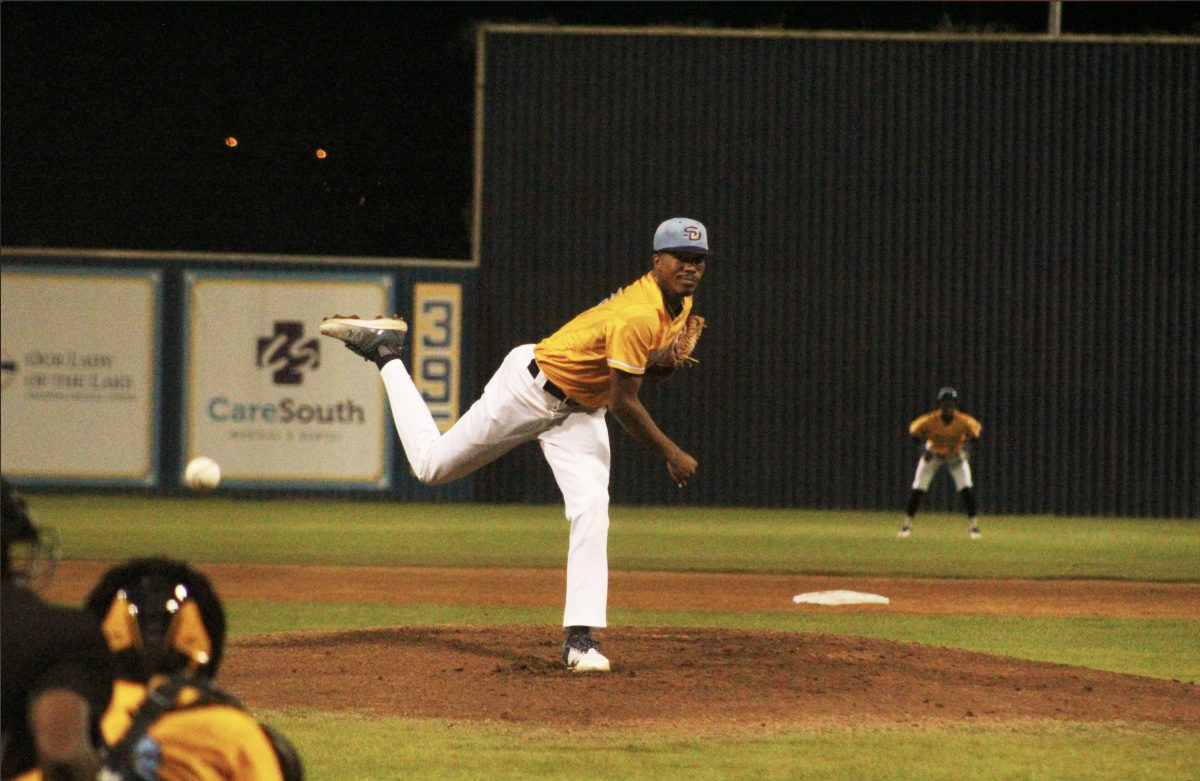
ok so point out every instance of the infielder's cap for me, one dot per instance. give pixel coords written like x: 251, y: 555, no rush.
x: 680, y: 234
x: 947, y: 393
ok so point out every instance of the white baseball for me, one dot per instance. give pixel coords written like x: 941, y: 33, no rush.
x: 202, y: 474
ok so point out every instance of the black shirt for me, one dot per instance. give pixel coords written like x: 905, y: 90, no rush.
x: 44, y: 646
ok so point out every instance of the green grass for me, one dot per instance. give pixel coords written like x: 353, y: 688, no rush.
x: 642, y: 538
x: 359, y: 746
x: 405, y: 748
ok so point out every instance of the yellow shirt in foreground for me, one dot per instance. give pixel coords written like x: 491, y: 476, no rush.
x: 626, y: 331
x: 213, y: 742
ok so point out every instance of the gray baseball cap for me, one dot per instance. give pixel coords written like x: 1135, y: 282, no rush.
x: 681, y: 234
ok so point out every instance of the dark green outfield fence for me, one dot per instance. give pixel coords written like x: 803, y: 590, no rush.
x: 1016, y: 217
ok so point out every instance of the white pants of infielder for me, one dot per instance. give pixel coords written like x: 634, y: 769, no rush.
x: 513, y: 410
x: 956, y: 464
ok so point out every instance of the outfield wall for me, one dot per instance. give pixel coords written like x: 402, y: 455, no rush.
x: 120, y: 367
x: 1013, y: 216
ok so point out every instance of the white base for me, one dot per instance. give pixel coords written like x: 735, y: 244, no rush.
x: 839, y: 598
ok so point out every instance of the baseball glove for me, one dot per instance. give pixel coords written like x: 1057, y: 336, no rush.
x: 680, y: 353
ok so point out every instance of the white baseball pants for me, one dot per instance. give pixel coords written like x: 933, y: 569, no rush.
x: 512, y: 410
x: 956, y: 464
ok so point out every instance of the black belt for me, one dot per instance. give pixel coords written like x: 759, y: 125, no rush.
x: 549, y: 387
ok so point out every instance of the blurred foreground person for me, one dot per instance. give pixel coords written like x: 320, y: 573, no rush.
x: 165, y: 627
x: 57, y: 672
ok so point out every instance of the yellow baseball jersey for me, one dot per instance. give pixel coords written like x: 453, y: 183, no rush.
x: 209, y: 741
x: 627, y: 331
x: 945, y: 438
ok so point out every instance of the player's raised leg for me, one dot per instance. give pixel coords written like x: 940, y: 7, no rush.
x: 511, y: 410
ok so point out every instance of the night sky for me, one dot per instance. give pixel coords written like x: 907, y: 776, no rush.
x: 115, y: 116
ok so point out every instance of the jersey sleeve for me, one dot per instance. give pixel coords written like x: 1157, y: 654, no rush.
x: 630, y: 338
x: 917, y: 427
x: 974, y: 427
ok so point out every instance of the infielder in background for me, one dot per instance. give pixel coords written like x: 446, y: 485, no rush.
x: 945, y: 432
x: 557, y: 392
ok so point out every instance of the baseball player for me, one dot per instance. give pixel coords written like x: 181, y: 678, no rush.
x: 945, y: 433
x: 165, y: 628
x: 557, y: 392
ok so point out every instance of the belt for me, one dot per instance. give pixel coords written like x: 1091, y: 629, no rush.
x: 549, y: 387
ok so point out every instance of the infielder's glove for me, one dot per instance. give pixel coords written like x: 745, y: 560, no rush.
x: 680, y: 353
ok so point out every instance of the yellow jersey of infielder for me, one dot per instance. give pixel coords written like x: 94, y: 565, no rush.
x: 627, y: 331
x: 945, y: 439
x: 945, y: 431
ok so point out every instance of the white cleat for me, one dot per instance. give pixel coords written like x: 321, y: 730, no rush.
x: 581, y: 654
x: 590, y: 661
x: 904, y: 533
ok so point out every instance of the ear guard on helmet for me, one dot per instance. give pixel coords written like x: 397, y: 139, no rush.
x: 185, y: 642
x: 159, y: 616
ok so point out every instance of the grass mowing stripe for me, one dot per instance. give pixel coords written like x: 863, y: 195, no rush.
x: 221, y: 529
x: 1160, y: 648
x: 372, y: 747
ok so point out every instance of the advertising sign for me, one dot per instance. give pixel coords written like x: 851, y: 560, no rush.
x: 79, y: 387
x: 271, y: 400
x: 437, y: 347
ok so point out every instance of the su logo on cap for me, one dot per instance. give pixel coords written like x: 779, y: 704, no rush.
x: 692, y: 233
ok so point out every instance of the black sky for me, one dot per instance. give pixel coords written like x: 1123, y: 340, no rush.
x: 114, y: 115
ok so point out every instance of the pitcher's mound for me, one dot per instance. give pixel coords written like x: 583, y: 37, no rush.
x: 709, y: 678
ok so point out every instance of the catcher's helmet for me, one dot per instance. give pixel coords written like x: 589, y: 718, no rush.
x: 159, y: 616
x: 35, y: 546
x: 947, y: 393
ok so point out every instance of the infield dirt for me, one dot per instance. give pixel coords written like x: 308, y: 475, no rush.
x: 678, y: 678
